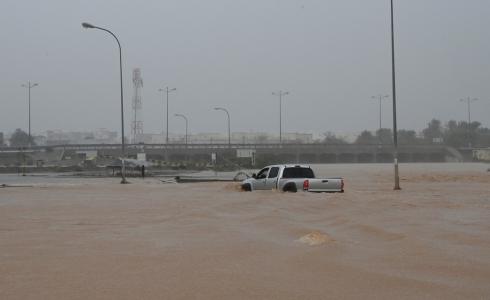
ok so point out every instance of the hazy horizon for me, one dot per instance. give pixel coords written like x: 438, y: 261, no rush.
x: 332, y: 56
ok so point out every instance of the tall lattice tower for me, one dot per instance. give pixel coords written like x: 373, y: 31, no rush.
x: 137, y: 124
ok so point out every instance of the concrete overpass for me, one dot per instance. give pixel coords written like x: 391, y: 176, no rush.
x: 264, y: 153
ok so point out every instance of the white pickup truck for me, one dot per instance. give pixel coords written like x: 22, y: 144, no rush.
x: 292, y: 178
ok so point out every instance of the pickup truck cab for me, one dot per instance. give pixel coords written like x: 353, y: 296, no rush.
x: 291, y: 178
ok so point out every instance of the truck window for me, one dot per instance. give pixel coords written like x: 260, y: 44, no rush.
x: 262, y: 174
x: 298, y: 172
x: 273, y: 172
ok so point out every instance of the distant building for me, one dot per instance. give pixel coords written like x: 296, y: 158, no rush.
x: 208, y: 138
x: 2, y: 143
x: 40, y: 140
x: 104, y: 136
x: 150, y: 138
x: 304, y: 138
x: 251, y: 138
x: 349, y: 137
x: 100, y: 136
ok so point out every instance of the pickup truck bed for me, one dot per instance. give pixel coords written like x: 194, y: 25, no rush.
x: 292, y: 178
x: 325, y: 185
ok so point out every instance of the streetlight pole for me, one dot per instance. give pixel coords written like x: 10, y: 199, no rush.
x: 229, y: 130
x: 29, y: 86
x: 167, y: 90
x: 468, y: 101
x: 186, y: 125
x: 280, y: 94
x: 380, y: 98
x: 123, y: 168
x: 395, y: 130
x: 163, y: 109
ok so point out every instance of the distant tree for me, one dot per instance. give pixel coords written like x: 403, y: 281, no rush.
x: 366, y: 137
x: 262, y: 139
x: 459, y: 134
x: 433, y: 131
x: 384, y: 136
x: 483, y: 137
x: 408, y: 137
x: 20, y: 139
x: 90, y: 136
x: 331, y: 138
x: 474, y: 133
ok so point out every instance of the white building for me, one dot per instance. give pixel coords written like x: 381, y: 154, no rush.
x: 100, y: 136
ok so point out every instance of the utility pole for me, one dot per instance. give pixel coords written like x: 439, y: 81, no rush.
x: 395, y: 130
x: 280, y: 94
x: 380, y: 98
x: 167, y: 90
x: 186, y: 126
x: 123, y: 152
x: 137, y: 124
x: 29, y: 86
x: 468, y: 101
x: 229, y: 127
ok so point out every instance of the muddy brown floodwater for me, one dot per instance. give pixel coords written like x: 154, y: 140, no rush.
x: 97, y: 239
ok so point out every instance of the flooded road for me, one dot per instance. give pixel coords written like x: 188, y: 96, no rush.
x: 96, y: 239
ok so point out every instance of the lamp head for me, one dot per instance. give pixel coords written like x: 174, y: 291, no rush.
x: 87, y: 25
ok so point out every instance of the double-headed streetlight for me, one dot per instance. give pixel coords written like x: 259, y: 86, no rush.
x: 468, y: 101
x: 123, y: 169
x: 395, y: 130
x: 280, y: 94
x: 167, y: 90
x: 229, y: 130
x: 380, y: 98
x: 186, y: 125
x: 29, y: 86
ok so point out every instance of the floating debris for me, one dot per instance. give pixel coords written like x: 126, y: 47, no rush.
x: 315, y: 238
x: 14, y: 186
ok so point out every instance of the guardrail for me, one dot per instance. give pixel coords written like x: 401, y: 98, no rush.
x: 214, y: 146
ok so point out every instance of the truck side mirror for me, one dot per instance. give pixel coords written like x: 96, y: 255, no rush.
x: 254, y: 176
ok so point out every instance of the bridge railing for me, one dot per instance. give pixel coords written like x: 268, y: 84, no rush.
x: 221, y: 146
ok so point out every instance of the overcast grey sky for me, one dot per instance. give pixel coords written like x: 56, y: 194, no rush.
x: 332, y: 55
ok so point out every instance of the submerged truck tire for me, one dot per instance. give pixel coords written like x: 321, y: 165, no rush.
x: 246, y: 187
x: 290, y: 188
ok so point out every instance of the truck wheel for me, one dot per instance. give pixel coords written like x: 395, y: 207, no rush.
x: 246, y: 188
x: 290, y: 188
